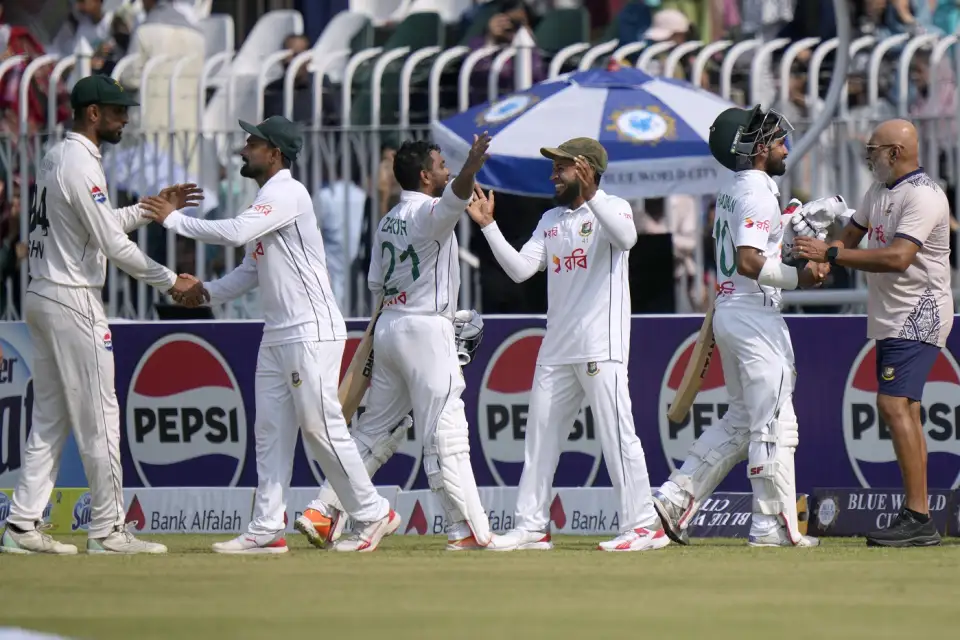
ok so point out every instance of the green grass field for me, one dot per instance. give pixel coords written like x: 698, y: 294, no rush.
x: 411, y: 588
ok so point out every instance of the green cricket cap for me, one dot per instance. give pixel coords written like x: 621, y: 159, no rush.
x: 279, y: 132
x: 592, y: 151
x: 99, y: 89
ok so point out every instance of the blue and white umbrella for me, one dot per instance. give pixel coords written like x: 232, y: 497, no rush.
x: 655, y: 131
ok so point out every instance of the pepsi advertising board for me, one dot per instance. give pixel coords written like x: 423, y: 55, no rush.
x: 186, y: 394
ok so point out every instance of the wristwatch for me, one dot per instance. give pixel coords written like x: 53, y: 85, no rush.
x: 832, y: 255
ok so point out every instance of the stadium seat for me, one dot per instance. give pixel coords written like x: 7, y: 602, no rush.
x: 380, y: 11
x: 448, y: 10
x: 348, y: 30
x: 562, y: 28
x: 418, y: 30
x: 218, y: 32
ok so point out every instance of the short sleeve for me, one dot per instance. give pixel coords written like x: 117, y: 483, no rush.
x: 756, y: 214
x: 921, y: 212
x: 860, y: 218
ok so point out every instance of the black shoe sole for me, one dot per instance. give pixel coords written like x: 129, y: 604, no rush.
x: 919, y: 541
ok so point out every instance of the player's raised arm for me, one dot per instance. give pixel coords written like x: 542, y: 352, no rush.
x: 519, y: 265
x: 442, y: 216
x: 616, y: 219
x: 235, y: 284
x: 90, y: 202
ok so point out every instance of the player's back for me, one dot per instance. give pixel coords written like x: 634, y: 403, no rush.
x: 416, y: 255
x: 61, y: 249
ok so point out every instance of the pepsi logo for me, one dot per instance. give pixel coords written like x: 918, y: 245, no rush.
x: 707, y: 408
x: 503, y: 408
x: 4, y: 508
x: 186, y: 422
x: 867, y: 437
x: 81, y: 513
x: 16, y: 411
x: 402, y: 467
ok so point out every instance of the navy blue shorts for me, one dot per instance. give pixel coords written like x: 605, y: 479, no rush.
x: 903, y: 367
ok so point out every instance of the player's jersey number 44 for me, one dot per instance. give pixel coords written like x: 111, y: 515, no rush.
x: 38, y: 219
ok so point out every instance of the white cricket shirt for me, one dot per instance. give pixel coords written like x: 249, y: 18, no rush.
x: 415, y: 261
x: 747, y: 215
x: 585, y: 253
x: 284, y: 256
x: 73, y: 229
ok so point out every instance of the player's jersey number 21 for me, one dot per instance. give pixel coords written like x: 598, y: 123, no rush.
x: 38, y: 220
x: 405, y: 258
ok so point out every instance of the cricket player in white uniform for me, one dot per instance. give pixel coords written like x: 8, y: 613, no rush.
x: 753, y: 340
x: 298, y: 367
x: 584, y: 244
x: 415, y: 268
x: 73, y: 231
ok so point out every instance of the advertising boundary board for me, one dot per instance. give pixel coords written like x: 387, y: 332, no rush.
x: 186, y: 396
x: 591, y: 511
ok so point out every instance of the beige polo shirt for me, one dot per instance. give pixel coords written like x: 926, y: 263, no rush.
x: 918, y: 303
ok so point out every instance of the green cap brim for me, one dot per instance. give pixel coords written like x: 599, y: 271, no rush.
x: 126, y: 100
x: 253, y: 130
x: 553, y: 153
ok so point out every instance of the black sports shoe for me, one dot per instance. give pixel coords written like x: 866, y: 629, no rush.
x: 906, y: 531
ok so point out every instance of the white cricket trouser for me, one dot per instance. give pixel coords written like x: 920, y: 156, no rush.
x: 415, y: 367
x: 73, y: 386
x: 758, y: 368
x: 557, y: 394
x: 296, y: 388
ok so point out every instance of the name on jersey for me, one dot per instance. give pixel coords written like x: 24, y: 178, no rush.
x: 727, y: 202
x: 393, y: 225
x: 552, y: 232
x: 576, y: 260
x: 400, y: 298
x: 762, y: 225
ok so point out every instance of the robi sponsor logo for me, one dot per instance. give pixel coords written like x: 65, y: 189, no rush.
x: 16, y: 411
x: 503, y: 406
x: 707, y: 408
x: 186, y: 423
x: 867, y: 437
x: 402, y: 467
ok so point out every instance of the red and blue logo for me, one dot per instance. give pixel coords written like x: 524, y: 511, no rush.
x: 98, y: 196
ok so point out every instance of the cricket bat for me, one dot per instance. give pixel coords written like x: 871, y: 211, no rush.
x: 356, y: 380
x: 696, y: 370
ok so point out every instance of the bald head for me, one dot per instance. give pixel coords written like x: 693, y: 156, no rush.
x: 893, y: 150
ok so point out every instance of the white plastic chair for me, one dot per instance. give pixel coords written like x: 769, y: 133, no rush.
x: 338, y: 35
x: 449, y: 10
x: 218, y: 33
x: 380, y: 11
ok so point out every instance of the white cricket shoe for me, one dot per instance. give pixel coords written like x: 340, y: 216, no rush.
x: 672, y: 516
x: 366, y: 537
x: 249, y: 543
x: 520, y: 540
x: 468, y: 544
x: 779, y: 538
x: 34, y: 541
x: 123, y: 542
x: 639, y: 539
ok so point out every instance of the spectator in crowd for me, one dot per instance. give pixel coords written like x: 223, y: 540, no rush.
x: 669, y: 25
x: 765, y: 18
x: 503, y: 26
x: 112, y: 50
x: 340, y: 207
x: 87, y: 20
x: 677, y: 216
x: 946, y: 16
x: 12, y: 251
x: 302, y: 87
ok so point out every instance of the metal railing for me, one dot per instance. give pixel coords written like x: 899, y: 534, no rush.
x: 432, y: 84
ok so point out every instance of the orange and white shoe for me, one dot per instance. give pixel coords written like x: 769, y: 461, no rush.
x: 253, y: 544
x: 319, y: 530
x: 366, y: 536
x: 465, y: 544
x: 637, y: 540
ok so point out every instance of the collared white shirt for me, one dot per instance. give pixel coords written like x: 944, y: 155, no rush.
x: 415, y: 261
x: 284, y: 257
x: 585, y: 253
x: 748, y: 215
x: 73, y: 228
